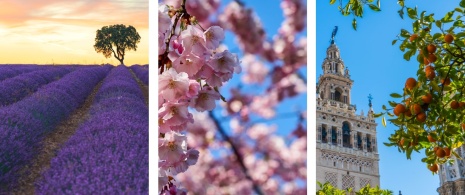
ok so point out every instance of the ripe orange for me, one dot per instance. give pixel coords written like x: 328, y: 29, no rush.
x: 431, y: 48
x: 410, y: 83
x: 433, y: 168
x: 448, y: 38
x: 431, y: 139
x: 432, y: 57
x: 445, y: 81
x: 435, y: 149
x: 399, y: 109
x: 408, y: 113
x: 416, y: 109
x: 447, y: 150
x: 440, y: 153
x: 421, y: 117
x: 462, y: 104
x: 454, y: 105
x: 413, y: 37
x: 425, y: 61
x: 429, y: 71
x: 427, y: 98
x: 408, y: 101
x: 463, y: 126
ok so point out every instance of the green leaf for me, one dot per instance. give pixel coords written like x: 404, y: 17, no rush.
x: 354, y: 24
x: 332, y: 1
x: 404, y: 33
x: 395, y: 95
x: 412, y: 13
x: 437, y: 35
x: 462, y: 3
x: 378, y: 115
x: 408, y: 54
x: 458, y: 23
x: 409, y: 153
x: 383, y: 121
x: 458, y: 9
x: 429, y: 18
x: 416, y: 26
x: 438, y: 23
x: 448, y: 17
x: 394, y: 42
x: 384, y: 107
x: 392, y: 104
x: 401, y: 13
x: 374, y: 7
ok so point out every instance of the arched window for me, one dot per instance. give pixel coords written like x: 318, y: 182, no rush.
x: 359, y: 141
x: 323, y: 134
x: 338, y: 95
x: 346, y: 134
x: 334, y: 135
x: 368, y: 140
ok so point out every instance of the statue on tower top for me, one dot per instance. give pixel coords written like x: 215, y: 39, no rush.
x: 369, y: 100
x: 333, y: 35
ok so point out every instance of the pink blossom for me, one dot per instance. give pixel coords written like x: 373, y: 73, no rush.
x: 212, y: 79
x: 172, y: 146
x: 255, y: 71
x: 180, y: 165
x: 164, y: 20
x: 213, y: 36
x: 189, y: 64
x: 172, y: 85
x: 174, y: 113
x: 161, y: 43
x: 205, y: 100
x: 163, y: 127
x: 224, y: 62
x: 194, y: 88
x: 193, y: 40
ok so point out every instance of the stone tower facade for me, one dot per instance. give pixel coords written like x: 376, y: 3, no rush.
x: 452, y: 177
x: 346, y: 145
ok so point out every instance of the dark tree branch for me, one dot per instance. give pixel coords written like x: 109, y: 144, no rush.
x: 239, y: 158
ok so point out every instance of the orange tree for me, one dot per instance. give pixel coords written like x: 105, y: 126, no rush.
x: 327, y: 188
x: 429, y: 112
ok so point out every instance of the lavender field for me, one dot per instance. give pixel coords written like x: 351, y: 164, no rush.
x: 73, y: 129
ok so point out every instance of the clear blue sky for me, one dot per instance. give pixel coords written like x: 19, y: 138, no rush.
x: 378, y: 68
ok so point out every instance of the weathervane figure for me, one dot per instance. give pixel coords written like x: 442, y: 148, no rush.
x: 369, y: 100
x: 333, y: 35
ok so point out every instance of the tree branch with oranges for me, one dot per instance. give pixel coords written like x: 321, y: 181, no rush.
x: 429, y: 114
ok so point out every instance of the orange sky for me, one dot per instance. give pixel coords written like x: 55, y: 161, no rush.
x: 63, y: 32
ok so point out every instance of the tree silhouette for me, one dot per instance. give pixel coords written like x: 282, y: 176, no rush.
x: 115, y: 39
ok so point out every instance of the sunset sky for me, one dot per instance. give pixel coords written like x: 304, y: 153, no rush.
x: 63, y: 32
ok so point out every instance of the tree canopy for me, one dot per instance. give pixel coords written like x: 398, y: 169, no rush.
x: 430, y: 109
x: 327, y: 188
x: 116, y: 39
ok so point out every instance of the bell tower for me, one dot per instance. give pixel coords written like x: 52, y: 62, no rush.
x: 347, y: 153
x: 452, y: 177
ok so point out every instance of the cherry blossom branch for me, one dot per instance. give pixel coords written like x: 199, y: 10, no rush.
x: 239, y: 158
x: 164, y: 57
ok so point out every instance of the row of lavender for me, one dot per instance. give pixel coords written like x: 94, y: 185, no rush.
x: 9, y: 71
x: 15, y: 88
x: 108, y: 154
x: 142, y: 72
x: 25, y: 123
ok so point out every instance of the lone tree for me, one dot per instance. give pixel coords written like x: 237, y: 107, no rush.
x: 116, y: 39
